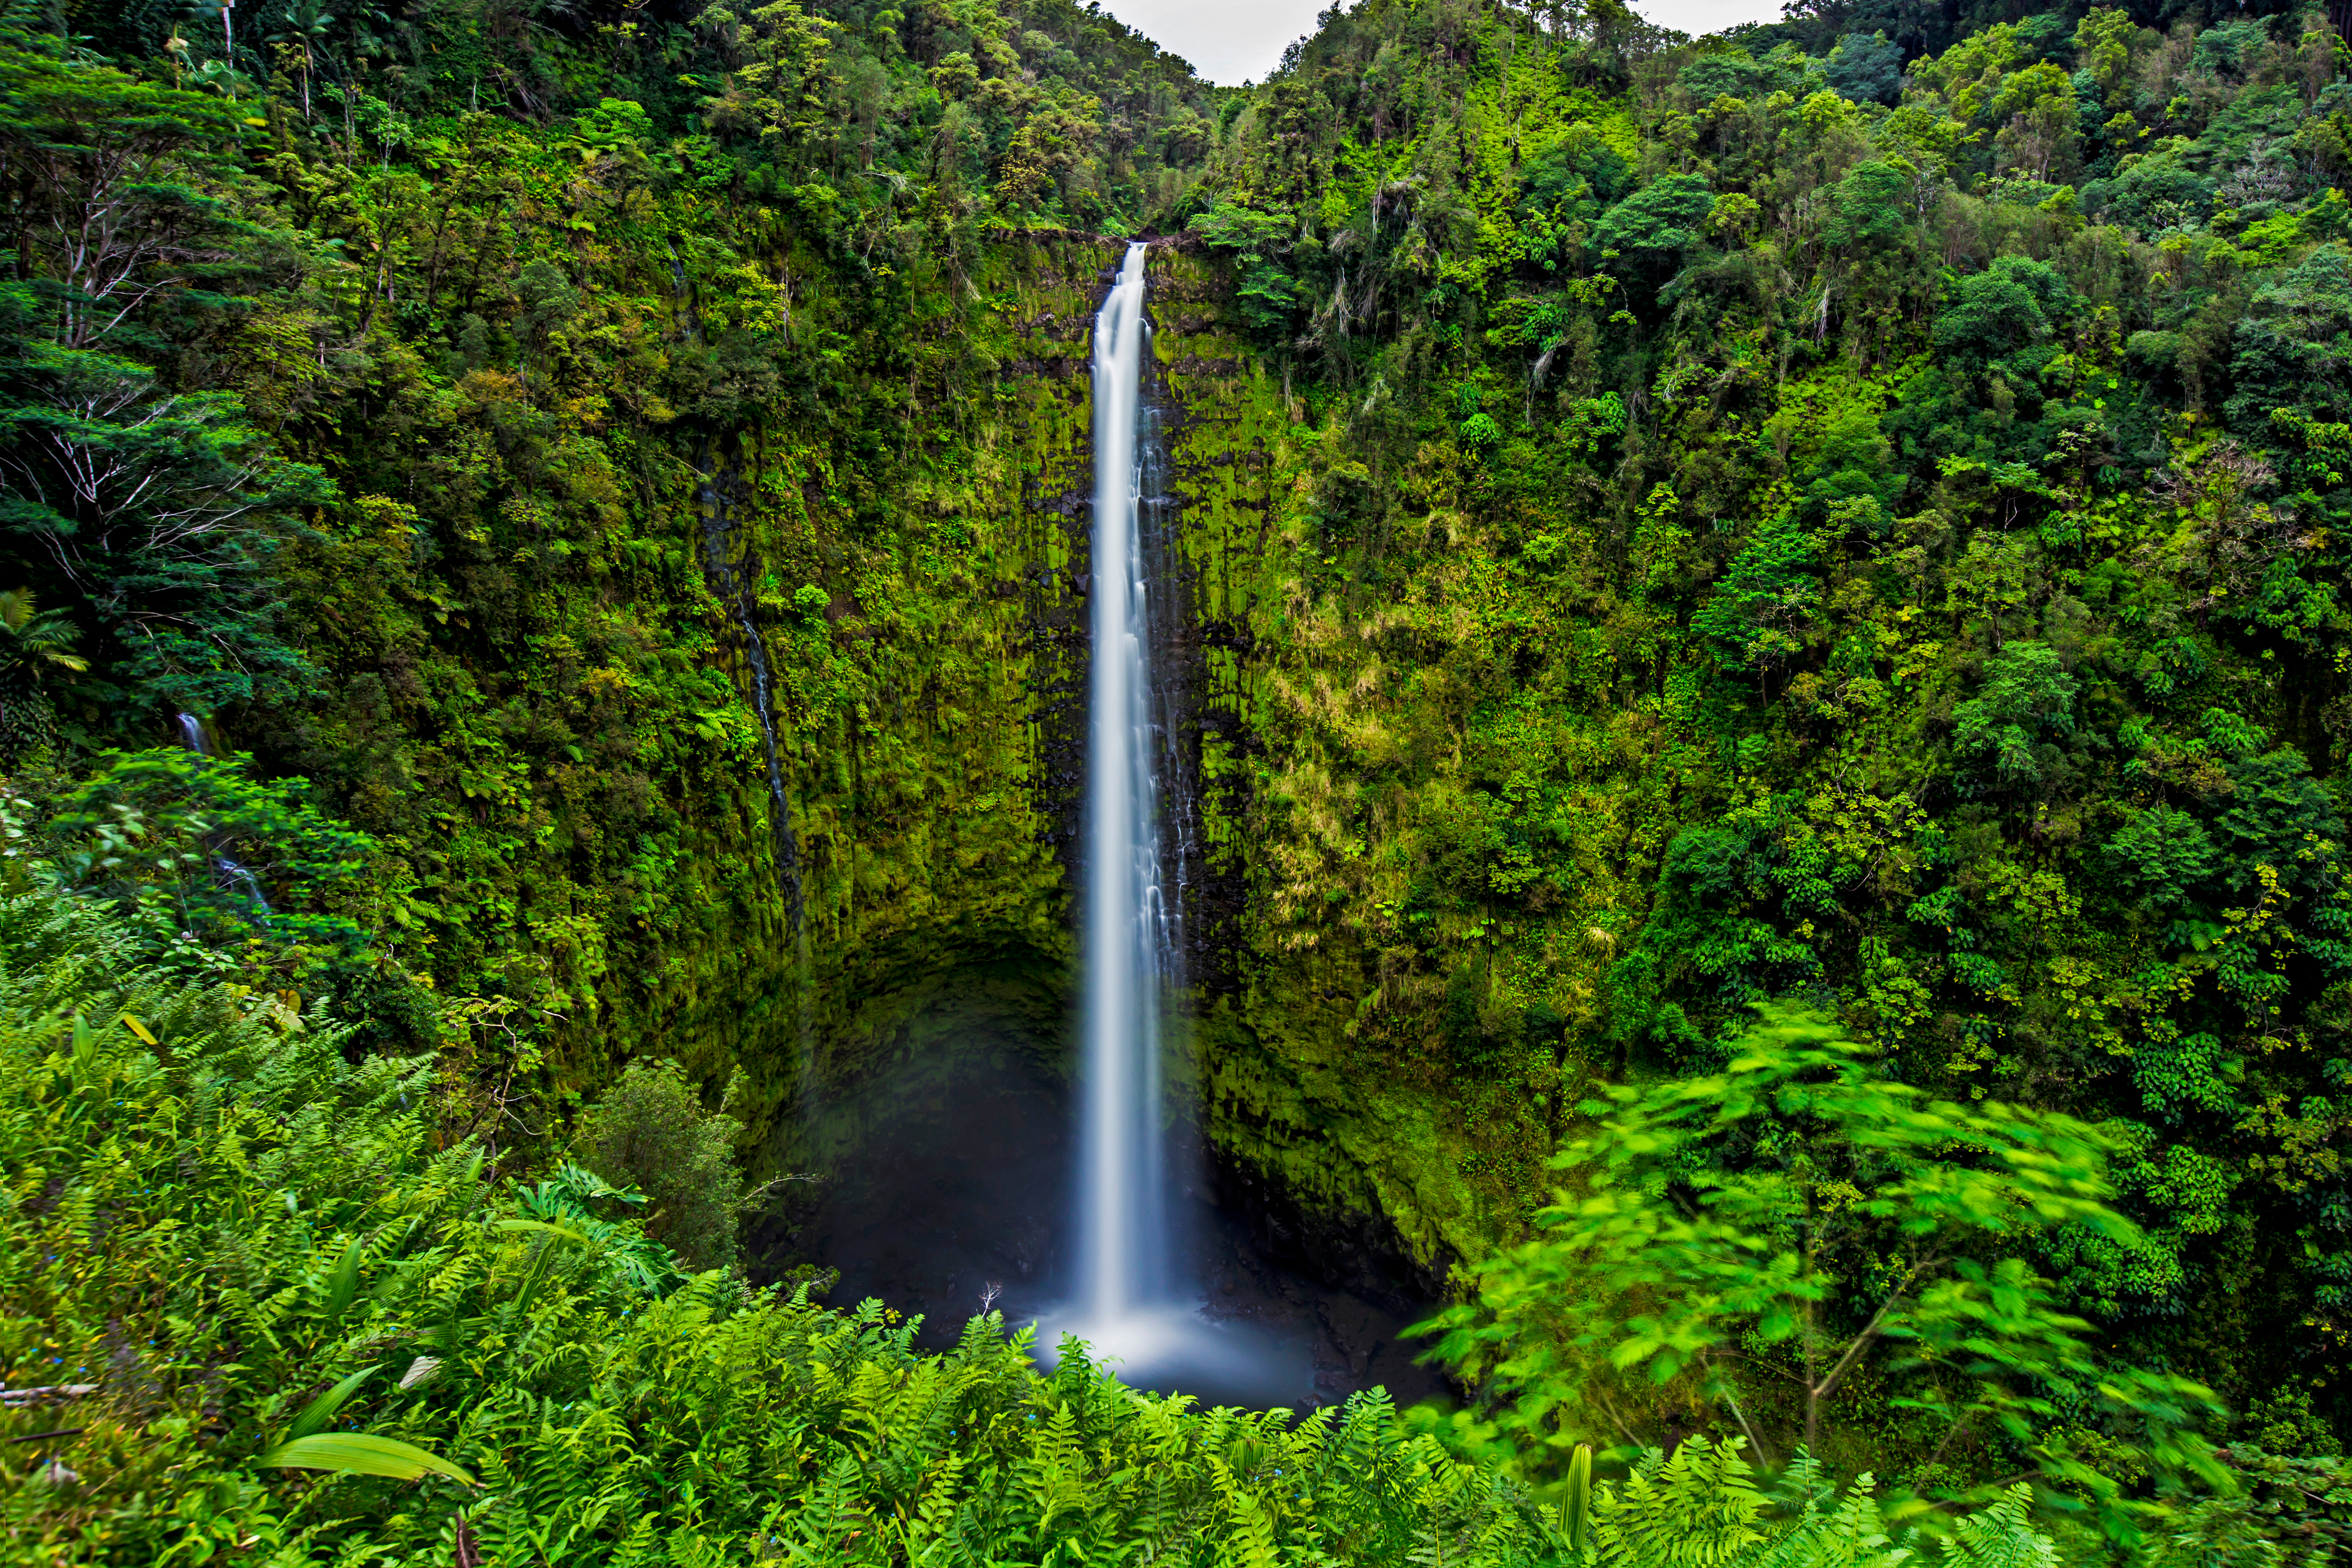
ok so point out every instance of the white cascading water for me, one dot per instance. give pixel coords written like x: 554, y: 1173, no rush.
x: 192, y: 738
x: 1132, y: 1308
x: 1133, y: 1294
x: 1123, y: 1231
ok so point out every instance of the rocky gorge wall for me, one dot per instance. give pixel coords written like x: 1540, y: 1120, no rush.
x: 937, y: 822
x: 716, y: 695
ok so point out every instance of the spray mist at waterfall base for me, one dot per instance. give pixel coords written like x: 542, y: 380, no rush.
x: 947, y: 1192
x: 1173, y: 1349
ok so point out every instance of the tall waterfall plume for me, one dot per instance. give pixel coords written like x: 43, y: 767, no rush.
x: 1126, y: 949
x: 1137, y: 1304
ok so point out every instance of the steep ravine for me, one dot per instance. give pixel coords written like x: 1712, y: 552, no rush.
x: 927, y: 910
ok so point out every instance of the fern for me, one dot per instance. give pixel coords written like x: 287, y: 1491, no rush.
x: 1698, y: 1509
x: 611, y: 1427
x: 2001, y: 1536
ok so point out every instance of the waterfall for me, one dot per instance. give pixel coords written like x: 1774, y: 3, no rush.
x: 713, y: 502
x: 193, y: 739
x: 1126, y: 948
x: 713, y: 499
x: 1134, y: 1304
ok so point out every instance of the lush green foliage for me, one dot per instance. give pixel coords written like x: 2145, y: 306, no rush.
x: 277, y: 1317
x: 1733, y: 519
x: 650, y: 1132
x: 1946, y: 625
x: 1724, y: 1215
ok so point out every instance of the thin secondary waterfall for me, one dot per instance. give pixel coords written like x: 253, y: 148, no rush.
x: 1123, y: 1230
x: 193, y: 739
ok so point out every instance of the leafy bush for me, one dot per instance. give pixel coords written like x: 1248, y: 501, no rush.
x: 1728, y: 1222
x: 651, y: 1131
x: 203, y: 857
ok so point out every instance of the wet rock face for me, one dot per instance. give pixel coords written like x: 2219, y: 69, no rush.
x: 1344, y: 1275
x: 913, y: 892
x: 1341, y: 1248
x: 1217, y: 486
x: 1057, y: 505
x: 1187, y: 536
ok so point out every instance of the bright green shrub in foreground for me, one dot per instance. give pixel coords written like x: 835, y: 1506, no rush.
x: 1721, y: 1222
x: 226, y: 1235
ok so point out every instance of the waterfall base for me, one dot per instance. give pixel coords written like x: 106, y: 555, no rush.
x: 947, y: 1193
x: 1178, y: 1349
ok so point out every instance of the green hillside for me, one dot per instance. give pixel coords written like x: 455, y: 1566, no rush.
x: 1764, y: 676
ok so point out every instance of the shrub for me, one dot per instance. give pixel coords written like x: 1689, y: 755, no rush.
x: 652, y: 1133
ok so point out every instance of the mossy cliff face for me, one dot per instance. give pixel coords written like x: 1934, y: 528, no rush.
x: 712, y: 666
x: 931, y: 728
x: 1314, y: 1131
x: 935, y: 821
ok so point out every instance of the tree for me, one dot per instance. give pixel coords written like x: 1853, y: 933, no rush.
x: 1755, y: 1237
x: 154, y: 513
x: 2014, y: 723
x: 98, y: 184
x: 158, y: 512
x: 2038, y: 140
x: 779, y: 86
x: 1733, y: 73
x: 2293, y: 349
x: 299, y: 33
x: 2007, y: 308
x: 1870, y: 207
x: 1266, y: 291
x: 1864, y: 67
x: 1756, y: 617
x: 1651, y: 228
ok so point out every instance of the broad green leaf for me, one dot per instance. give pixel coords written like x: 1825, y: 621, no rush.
x: 321, y: 1410
x: 344, y: 1283
x: 362, y: 1454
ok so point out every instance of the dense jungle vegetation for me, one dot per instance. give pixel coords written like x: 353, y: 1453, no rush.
x: 1780, y: 721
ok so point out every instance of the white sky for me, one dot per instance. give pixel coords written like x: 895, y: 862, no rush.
x: 1234, y: 41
